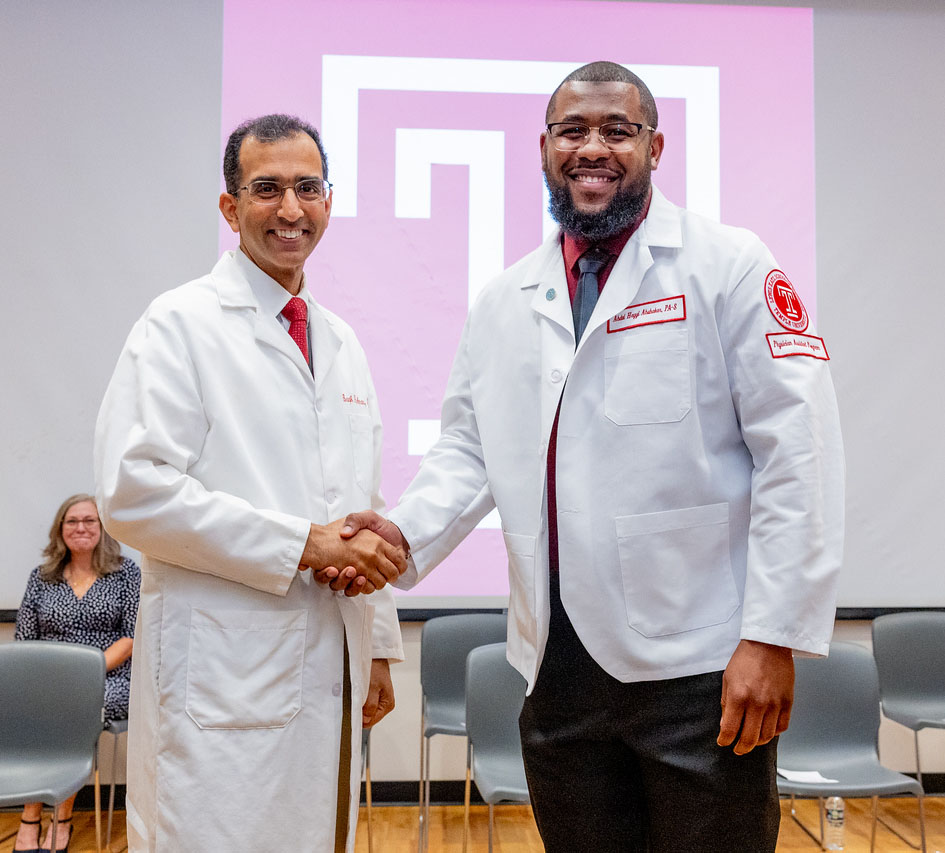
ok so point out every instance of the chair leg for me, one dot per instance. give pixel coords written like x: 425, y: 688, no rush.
x: 423, y: 743
x: 900, y: 836
x: 54, y: 829
x: 875, y: 816
x: 918, y: 766
x: 466, y: 797
x: 818, y: 841
x: 111, y: 793
x: 98, y: 801
x: 367, y: 788
x: 491, y: 821
x: 426, y: 796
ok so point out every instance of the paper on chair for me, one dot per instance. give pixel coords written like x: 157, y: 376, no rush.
x: 809, y: 776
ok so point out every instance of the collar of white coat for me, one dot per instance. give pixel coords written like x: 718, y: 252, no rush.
x: 263, y: 291
x: 661, y: 228
x: 241, y: 284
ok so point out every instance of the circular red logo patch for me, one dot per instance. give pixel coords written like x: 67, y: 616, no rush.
x: 784, y: 302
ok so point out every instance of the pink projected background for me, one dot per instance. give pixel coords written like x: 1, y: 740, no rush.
x: 430, y: 114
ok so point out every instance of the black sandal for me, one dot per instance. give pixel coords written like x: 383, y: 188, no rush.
x: 39, y: 835
x: 58, y: 849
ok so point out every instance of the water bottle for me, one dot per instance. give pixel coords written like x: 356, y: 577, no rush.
x: 833, y: 823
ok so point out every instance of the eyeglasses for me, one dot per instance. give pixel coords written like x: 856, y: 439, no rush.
x: 616, y: 135
x: 307, y: 191
x: 75, y: 522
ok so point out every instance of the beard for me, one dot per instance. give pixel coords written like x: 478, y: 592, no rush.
x: 624, y: 208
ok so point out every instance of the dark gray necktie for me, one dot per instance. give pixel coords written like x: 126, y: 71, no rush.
x: 588, y: 289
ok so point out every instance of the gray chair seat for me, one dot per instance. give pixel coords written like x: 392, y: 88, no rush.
x: 856, y: 778
x: 445, y: 716
x: 916, y: 713
x: 45, y: 779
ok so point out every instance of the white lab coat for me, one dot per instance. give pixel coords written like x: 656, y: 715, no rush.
x: 699, y: 479
x: 215, y: 448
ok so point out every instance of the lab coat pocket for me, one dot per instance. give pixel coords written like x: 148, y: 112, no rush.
x: 677, y: 570
x: 244, y: 668
x: 646, y: 376
x: 522, y: 603
x: 361, y: 429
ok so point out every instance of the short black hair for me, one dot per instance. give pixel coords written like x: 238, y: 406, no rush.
x: 609, y: 72
x: 268, y: 128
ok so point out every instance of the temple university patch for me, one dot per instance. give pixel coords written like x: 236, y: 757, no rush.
x: 784, y: 303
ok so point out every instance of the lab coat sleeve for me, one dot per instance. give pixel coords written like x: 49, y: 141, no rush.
x: 450, y: 494
x: 788, y: 416
x: 150, y: 431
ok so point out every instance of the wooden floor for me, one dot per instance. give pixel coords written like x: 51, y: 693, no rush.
x: 395, y: 829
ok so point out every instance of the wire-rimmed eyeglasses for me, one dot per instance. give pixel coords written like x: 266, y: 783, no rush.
x: 616, y: 135
x: 307, y: 191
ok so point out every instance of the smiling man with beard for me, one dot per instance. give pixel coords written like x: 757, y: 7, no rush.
x: 240, y: 420
x: 644, y: 401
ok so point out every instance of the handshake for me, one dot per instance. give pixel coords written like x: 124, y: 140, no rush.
x: 358, y: 554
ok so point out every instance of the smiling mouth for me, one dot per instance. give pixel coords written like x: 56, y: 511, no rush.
x: 288, y: 235
x: 592, y: 180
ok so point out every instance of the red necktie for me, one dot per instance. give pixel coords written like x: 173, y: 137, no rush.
x: 295, y: 312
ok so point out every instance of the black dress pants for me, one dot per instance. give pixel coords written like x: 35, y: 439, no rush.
x: 635, y: 767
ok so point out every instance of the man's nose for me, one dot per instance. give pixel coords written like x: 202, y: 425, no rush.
x: 289, y: 207
x: 594, y: 147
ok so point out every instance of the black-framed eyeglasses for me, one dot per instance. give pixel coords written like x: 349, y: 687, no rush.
x: 616, y: 135
x: 307, y: 191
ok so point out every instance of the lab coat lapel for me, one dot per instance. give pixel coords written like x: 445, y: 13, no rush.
x: 556, y: 331
x: 660, y: 229
x: 546, y: 275
x: 325, y: 344
x: 235, y: 292
x: 269, y: 331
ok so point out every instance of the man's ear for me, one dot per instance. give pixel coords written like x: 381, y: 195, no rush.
x: 229, y: 211
x: 656, y: 150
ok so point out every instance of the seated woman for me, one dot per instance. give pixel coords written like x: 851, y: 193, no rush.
x: 86, y: 593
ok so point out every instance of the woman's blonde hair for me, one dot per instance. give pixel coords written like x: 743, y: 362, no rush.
x: 106, y: 557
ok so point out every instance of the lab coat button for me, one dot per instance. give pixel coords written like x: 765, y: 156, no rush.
x: 330, y: 497
x: 336, y: 689
x: 556, y: 375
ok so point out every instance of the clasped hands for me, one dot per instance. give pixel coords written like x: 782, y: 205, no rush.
x: 358, y: 554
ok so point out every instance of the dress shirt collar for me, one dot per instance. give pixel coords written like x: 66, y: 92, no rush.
x: 271, y: 296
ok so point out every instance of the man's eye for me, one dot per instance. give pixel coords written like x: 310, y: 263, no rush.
x: 308, y: 189
x: 264, y: 189
x: 619, y: 131
x: 573, y: 131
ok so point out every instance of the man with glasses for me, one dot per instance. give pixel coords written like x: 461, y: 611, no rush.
x: 646, y: 404
x: 240, y: 420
